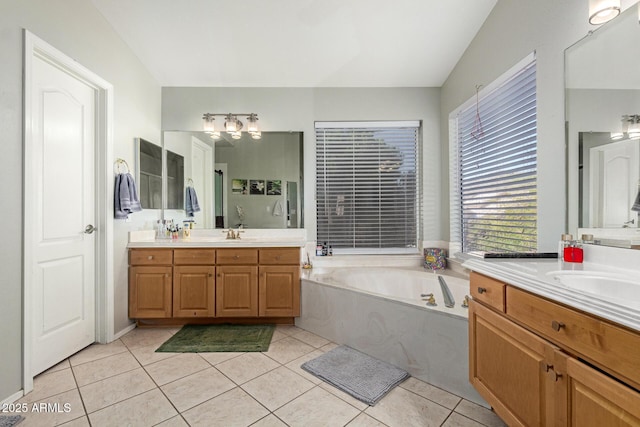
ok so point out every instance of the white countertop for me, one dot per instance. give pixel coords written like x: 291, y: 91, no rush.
x: 537, y: 276
x: 216, y: 238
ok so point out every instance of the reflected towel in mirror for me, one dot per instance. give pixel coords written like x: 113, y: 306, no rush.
x: 191, y: 201
x: 125, y: 196
x: 636, y: 204
x: 278, y: 210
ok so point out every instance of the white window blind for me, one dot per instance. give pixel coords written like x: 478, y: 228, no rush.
x: 367, y: 191
x: 497, y: 167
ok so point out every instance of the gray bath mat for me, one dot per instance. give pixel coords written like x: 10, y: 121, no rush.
x: 10, y: 420
x: 363, y: 377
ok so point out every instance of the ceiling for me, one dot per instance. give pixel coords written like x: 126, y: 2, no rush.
x: 298, y: 43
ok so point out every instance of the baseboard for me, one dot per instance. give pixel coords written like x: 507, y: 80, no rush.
x: 125, y: 331
x: 15, y: 396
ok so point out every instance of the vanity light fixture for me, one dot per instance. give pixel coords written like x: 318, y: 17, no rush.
x: 601, y: 11
x: 231, y: 125
x: 634, y: 126
x: 630, y: 128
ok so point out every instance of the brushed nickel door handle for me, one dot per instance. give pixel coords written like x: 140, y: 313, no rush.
x: 89, y: 229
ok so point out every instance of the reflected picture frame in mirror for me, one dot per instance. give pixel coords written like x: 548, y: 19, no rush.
x: 602, y: 87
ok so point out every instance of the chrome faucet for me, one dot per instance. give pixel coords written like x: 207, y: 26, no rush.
x: 233, y: 235
x: 626, y: 224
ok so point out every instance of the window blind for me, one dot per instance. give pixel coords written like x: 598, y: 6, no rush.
x: 367, y: 185
x: 497, y: 157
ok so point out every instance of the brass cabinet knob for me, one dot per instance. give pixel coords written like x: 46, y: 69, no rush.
x: 236, y: 257
x: 482, y: 290
x: 150, y: 257
x: 556, y: 326
x: 557, y: 376
x: 548, y: 367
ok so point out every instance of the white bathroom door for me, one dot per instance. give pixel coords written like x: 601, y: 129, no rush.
x: 60, y: 213
x: 615, y: 171
x: 202, y: 176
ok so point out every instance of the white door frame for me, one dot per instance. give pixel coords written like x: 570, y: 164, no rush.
x: 36, y: 47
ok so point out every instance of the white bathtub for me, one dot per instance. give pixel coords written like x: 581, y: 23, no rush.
x: 379, y: 311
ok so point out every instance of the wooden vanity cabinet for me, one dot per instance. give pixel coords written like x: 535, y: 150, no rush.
x: 150, y: 293
x: 532, y: 378
x: 508, y: 367
x: 207, y: 283
x: 194, y: 283
x: 279, y: 283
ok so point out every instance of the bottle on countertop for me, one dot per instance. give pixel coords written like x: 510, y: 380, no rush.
x: 574, y: 252
x: 565, y: 240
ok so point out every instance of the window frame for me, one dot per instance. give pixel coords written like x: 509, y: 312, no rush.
x: 364, y: 125
x: 455, y: 182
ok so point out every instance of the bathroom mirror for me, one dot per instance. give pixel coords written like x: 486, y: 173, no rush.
x: 243, y: 182
x: 149, y: 173
x: 602, y: 88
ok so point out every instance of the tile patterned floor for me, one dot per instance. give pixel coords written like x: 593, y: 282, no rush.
x: 125, y: 383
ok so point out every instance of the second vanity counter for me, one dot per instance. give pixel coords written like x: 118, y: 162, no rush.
x: 545, y: 277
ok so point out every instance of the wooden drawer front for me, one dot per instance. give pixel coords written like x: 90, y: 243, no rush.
x: 487, y: 290
x: 237, y: 256
x: 607, y: 346
x: 194, y: 256
x: 280, y: 256
x: 150, y: 256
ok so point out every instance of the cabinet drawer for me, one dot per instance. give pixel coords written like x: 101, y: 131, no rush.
x: 487, y: 290
x: 607, y: 346
x: 237, y: 256
x: 194, y: 256
x: 280, y: 256
x: 150, y: 256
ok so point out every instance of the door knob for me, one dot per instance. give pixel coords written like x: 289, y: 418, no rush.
x: 89, y: 229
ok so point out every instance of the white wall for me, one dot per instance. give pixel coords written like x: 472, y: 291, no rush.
x: 296, y: 109
x: 514, y: 29
x: 76, y: 28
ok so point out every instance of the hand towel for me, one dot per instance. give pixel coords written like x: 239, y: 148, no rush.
x: 125, y: 196
x: 278, y: 210
x: 191, y: 202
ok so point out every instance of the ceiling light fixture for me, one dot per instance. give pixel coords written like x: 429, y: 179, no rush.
x: 232, y: 125
x: 601, y: 11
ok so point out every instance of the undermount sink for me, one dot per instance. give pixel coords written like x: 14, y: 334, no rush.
x: 613, y: 287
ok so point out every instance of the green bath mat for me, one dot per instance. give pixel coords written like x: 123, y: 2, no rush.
x: 217, y: 338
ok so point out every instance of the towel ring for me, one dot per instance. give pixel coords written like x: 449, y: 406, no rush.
x: 189, y: 182
x: 122, y: 162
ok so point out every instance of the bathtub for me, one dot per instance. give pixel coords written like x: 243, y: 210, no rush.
x: 380, y: 312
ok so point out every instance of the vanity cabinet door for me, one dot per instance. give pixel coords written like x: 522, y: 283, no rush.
x: 279, y: 291
x: 237, y: 291
x: 193, y: 291
x: 589, y: 398
x: 511, y: 368
x: 150, y: 292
